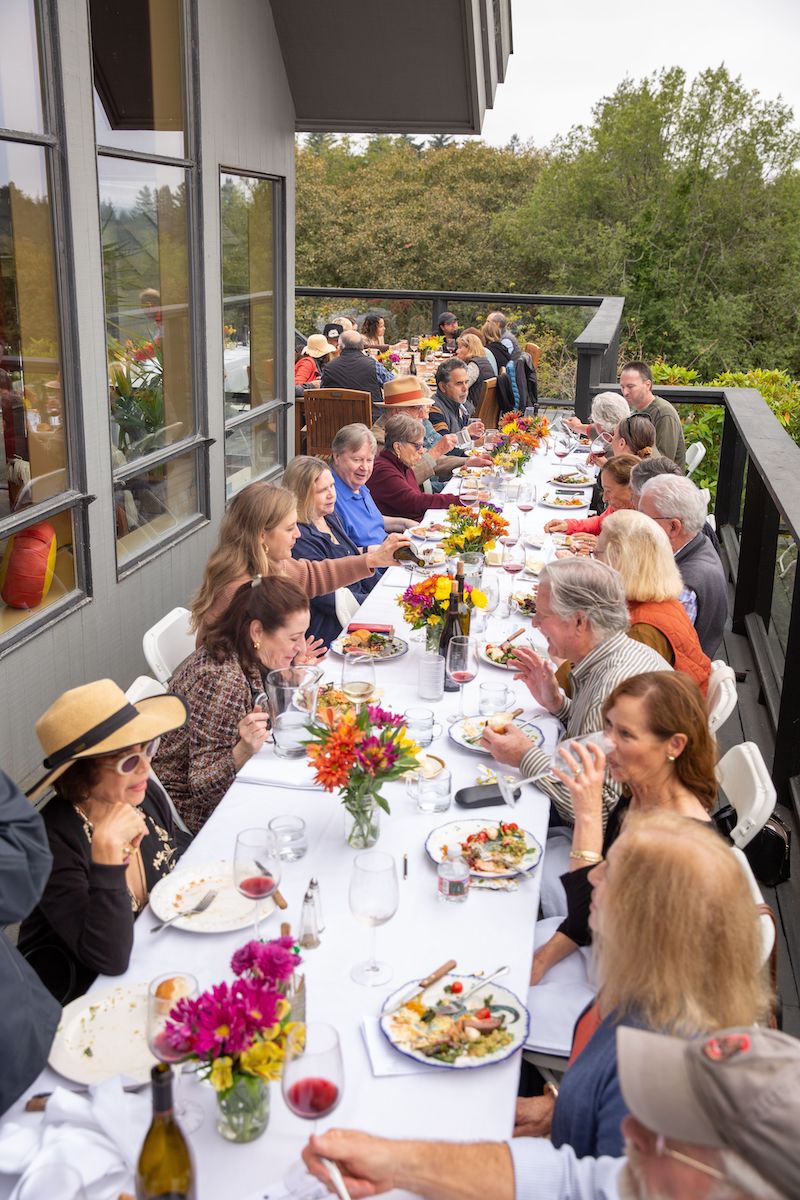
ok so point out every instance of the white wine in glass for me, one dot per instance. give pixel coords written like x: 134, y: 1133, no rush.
x: 358, y: 677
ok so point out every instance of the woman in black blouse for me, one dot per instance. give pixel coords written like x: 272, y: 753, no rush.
x: 110, y: 829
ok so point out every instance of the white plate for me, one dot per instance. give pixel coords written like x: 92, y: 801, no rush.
x: 184, y: 887
x: 392, y: 649
x: 457, y: 734
x: 459, y: 831
x: 423, y: 534
x: 484, y: 657
x: 572, y: 487
x: 548, y: 500
x: 504, y: 1001
x: 102, y: 1035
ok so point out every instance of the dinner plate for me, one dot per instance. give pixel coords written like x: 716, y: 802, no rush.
x: 457, y: 733
x: 104, y: 1034
x: 503, y: 1002
x: 393, y: 649
x: 484, y: 657
x: 184, y: 887
x: 562, y: 503
x: 459, y: 831
x: 472, y: 472
x: 424, y: 534
x: 572, y: 487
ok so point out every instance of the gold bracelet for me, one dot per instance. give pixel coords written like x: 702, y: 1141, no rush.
x: 550, y: 1089
x: 589, y: 856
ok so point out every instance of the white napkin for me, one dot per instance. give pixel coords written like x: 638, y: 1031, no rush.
x: 383, y: 1058
x: 267, y: 769
x: 99, y: 1135
x: 556, y: 1003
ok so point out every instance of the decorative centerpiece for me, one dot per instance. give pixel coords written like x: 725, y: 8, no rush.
x: 136, y: 380
x: 425, y: 604
x: 473, y: 532
x: 391, y: 360
x: 229, y: 336
x: 430, y: 345
x: 519, y: 438
x: 238, y: 1033
x: 358, y: 754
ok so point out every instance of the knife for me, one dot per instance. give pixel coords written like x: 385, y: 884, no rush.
x: 416, y: 989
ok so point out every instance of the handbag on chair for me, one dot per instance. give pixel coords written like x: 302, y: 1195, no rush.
x: 769, y: 851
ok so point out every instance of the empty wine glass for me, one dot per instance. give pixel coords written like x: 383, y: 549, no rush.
x: 511, y: 536
x: 312, y: 1083
x: 163, y: 993
x: 461, y: 665
x: 256, y: 868
x: 373, y: 900
x: 358, y: 677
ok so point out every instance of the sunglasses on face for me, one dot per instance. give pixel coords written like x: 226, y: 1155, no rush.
x: 129, y: 762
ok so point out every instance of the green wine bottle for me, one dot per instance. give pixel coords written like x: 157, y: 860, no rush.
x: 463, y: 607
x: 165, y: 1170
x: 408, y: 554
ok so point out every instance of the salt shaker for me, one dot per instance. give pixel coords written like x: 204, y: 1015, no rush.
x: 309, y: 934
x: 313, y: 887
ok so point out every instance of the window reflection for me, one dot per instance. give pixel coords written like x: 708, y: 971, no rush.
x: 37, y: 568
x: 252, y: 450
x: 33, y: 453
x: 137, y: 52
x: 20, y: 84
x: 146, y: 276
x: 151, y: 506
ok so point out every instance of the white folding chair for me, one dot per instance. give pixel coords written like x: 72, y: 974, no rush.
x: 765, y: 921
x: 722, y: 696
x: 346, y: 606
x: 168, y: 643
x: 143, y: 687
x: 694, y: 456
x: 743, y: 776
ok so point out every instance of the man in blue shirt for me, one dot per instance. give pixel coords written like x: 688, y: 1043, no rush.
x: 353, y: 454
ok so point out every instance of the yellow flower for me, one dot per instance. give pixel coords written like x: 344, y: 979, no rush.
x: 221, y: 1075
x: 489, y: 545
x: 407, y: 743
x: 442, y: 588
x: 478, y: 598
x: 264, y: 1059
x: 434, y: 620
x: 472, y: 531
x: 284, y: 1008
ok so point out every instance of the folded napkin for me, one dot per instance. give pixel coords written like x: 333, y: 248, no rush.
x: 267, y: 769
x: 99, y: 1135
x: 383, y: 1058
x: 556, y: 1003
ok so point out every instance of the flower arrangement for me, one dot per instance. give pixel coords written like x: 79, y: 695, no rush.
x: 425, y: 603
x: 229, y: 336
x: 469, y: 532
x: 519, y: 438
x: 358, y: 754
x: 430, y: 345
x: 390, y: 360
x: 136, y: 380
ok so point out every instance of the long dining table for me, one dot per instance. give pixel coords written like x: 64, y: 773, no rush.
x: 491, y: 929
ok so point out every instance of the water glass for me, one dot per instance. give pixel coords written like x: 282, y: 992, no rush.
x: 431, y: 676
x: 433, y: 795
x: 494, y: 698
x: 292, y: 693
x: 290, y: 837
x: 473, y: 562
x: 289, y: 731
x: 420, y: 725
x: 568, y: 764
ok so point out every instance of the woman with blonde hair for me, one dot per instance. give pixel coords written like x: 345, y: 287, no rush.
x: 677, y: 950
x: 471, y: 350
x: 256, y: 537
x: 322, y: 537
x: 639, y: 550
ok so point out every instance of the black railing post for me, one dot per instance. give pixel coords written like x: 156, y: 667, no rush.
x: 786, y: 763
x: 587, y: 374
x: 438, y: 306
x: 730, y: 475
x: 757, y: 547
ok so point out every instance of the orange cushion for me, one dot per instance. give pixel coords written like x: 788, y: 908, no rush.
x: 26, y: 571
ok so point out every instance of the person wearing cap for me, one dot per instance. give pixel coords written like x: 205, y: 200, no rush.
x: 332, y: 332
x: 448, y: 329
x: 317, y: 353
x: 354, y: 368
x: 110, y: 827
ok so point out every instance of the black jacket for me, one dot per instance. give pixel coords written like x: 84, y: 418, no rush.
x: 30, y: 1014
x: 353, y: 369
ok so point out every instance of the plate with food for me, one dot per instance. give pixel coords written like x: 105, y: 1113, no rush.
x: 553, y: 500
x: 185, y: 886
x: 491, y: 1027
x: 524, y: 602
x: 427, y: 533
x: 498, y: 655
x: 498, y: 848
x: 104, y: 1034
x: 472, y: 472
x: 572, y: 479
x: 467, y: 732
x: 377, y: 645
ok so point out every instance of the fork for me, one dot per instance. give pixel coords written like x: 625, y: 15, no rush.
x: 201, y: 906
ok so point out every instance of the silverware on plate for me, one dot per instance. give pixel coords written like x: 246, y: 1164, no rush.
x: 201, y: 906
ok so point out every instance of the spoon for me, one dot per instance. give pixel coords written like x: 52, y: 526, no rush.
x: 201, y: 906
x: 448, y: 1008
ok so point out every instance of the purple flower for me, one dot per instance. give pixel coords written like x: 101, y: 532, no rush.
x: 258, y: 1005
x: 271, y: 961
x: 381, y: 716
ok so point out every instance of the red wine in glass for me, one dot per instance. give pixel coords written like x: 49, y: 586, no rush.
x: 312, y: 1098
x: 462, y: 676
x: 512, y: 567
x: 163, y: 1049
x: 257, y: 887
x: 525, y: 506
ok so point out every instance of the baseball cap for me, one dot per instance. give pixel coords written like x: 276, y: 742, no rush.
x: 332, y: 330
x: 738, y: 1089
x: 446, y: 317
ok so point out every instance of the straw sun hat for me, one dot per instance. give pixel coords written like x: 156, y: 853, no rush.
x: 96, y: 719
x: 406, y: 391
x: 317, y: 345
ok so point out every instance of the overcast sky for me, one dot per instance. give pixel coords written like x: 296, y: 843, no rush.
x: 570, y: 54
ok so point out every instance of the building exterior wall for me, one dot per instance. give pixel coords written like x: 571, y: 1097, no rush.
x: 246, y: 123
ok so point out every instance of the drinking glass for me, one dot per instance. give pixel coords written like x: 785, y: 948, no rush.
x: 597, y: 738
x: 312, y: 1083
x: 562, y: 446
x: 292, y: 693
x: 290, y: 835
x: 462, y: 666
x: 494, y: 698
x: 373, y: 900
x: 163, y: 994
x: 256, y: 868
x: 413, y: 343
x: 358, y: 677
x: 55, y: 1180
x: 433, y: 795
x: 420, y: 725
x: 490, y: 438
x: 511, y: 535
x: 468, y: 491
x: 513, y: 559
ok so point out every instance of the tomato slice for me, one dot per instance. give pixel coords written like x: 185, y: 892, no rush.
x: 483, y: 1013
x: 456, y: 987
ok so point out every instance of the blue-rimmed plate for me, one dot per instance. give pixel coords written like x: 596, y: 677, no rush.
x: 458, y: 831
x: 467, y: 733
x: 404, y: 1031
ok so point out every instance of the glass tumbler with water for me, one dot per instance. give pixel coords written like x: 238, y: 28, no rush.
x: 292, y: 695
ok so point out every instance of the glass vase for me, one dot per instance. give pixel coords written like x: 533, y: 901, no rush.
x: 362, y: 824
x: 433, y: 634
x: 243, y: 1110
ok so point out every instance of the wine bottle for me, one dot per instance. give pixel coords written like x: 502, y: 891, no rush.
x: 412, y: 370
x: 450, y: 629
x: 165, y: 1170
x: 408, y: 554
x: 463, y: 609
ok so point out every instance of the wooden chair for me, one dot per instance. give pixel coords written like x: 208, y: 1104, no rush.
x: 489, y: 408
x: 327, y: 410
x: 535, y: 353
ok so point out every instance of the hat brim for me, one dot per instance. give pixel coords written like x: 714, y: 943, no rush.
x: 156, y: 715
x: 656, y: 1085
x: 417, y: 402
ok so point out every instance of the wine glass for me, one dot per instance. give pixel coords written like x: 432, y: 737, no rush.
x: 163, y: 994
x: 413, y: 344
x: 373, y: 899
x: 468, y: 491
x: 461, y: 665
x: 256, y: 868
x: 513, y: 560
x: 511, y: 535
x: 312, y: 1083
x: 358, y: 677
x: 527, y: 498
x: 562, y: 446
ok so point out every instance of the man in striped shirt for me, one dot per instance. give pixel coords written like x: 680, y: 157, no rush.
x: 582, y: 611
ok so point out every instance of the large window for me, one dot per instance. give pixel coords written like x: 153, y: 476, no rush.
x: 147, y: 175
x: 252, y: 306
x: 42, y: 505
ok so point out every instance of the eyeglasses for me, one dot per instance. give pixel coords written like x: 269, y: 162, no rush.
x: 416, y: 445
x: 665, y: 1151
x: 128, y: 764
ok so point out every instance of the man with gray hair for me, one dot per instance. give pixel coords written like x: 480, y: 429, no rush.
x: 353, y: 368
x: 352, y: 459
x: 681, y: 510
x: 582, y: 611
x: 608, y: 409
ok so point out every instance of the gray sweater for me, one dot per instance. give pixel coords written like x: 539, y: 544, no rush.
x: 702, y: 571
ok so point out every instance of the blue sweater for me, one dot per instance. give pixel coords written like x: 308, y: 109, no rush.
x: 590, y: 1107
x: 315, y: 545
